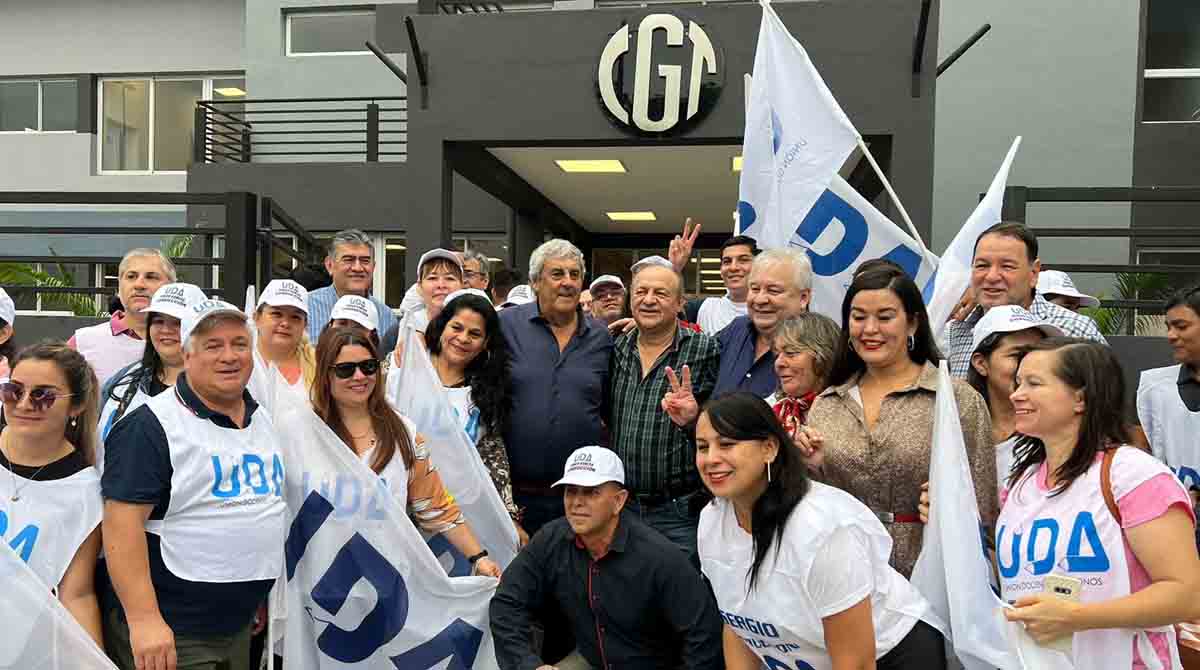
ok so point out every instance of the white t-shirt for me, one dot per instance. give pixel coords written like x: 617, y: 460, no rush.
x: 834, y: 554
x: 466, y: 411
x: 716, y: 313
x: 1004, y: 461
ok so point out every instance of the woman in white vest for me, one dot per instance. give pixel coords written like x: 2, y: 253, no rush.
x: 8, y: 346
x: 799, y: 569
x: 349, y: 397
x: 471, y: 359
x: 49, y: 491
x: 998, y: 340
x: 161, y: 363
x: 1082, y: 504
x: 281, y: 319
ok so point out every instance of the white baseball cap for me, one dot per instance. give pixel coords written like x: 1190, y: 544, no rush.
x: 651, y: 261
x: 199, y: 312
x: 520, y: 294
x: 8, y: 309
x: 1009, y: 319
x: 467, y: 291
x: 1056, y: 282
x: 592, y: 466
x: 357, y: 309
x: 175, y: 299
x: 434, y: 254
x: 607, y: 279
x: 284, y: 293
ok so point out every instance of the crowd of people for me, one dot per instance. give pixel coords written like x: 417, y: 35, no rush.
x: 731, y: 481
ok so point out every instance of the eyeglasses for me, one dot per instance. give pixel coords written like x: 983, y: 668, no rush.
x: 346, y: 370
x: 40, y: 398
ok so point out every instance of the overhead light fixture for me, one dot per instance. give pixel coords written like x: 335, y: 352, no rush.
x: 608, y: 165
x: 710, y: 272
x: 711, y: 260
x: 229, y: 91
x: 631, y: 216
x: 396, y: 247
x: 737, y: 163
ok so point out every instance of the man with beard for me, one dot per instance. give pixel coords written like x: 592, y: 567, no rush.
x: 559, y: 379
x: 120, y: 341
x: 351, y: 263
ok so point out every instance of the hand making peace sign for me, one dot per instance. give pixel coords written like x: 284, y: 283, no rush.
x: 679, y: 403
x: 680, y: 250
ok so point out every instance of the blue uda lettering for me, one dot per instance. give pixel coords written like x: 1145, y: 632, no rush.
x: 23, y: 542
x: 253, y: 472
x: 776, y: 664
x: 1039, y: 547
x: 1189, y: 477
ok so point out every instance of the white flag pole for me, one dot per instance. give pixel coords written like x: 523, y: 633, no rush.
x: 895, y: 198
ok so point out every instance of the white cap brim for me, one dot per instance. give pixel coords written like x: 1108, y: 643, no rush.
x: 589, y: 479
x: 434, y: 254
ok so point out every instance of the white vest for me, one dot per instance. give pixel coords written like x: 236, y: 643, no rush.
x: 269, y: 388
x: 50, y: 521
x: 778, y: 619
x: 716, y: 313
x: 107, y: 353
x: 1074, y: 534
x: 109, y: 418
x: 1004, y: 461
x: 1173, y: 429
x: 227, y: 516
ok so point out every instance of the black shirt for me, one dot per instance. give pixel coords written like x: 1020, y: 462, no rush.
x: 641, y: 606
x: 137, y: 469
x: 64, y: 467
x: 1189, y: 388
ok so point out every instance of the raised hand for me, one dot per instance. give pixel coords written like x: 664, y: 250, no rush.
x: 811, y: 444
x: 679, y: 403
x: 681, y: 247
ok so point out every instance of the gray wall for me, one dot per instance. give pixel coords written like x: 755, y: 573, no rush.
x: 1063, y: 77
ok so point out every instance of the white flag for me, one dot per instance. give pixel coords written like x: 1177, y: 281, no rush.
x: 363, y: 589
x: 953, y: 571
x: 39, y: 633
x: 954, y: 269
x: 796, y: 137
x: 415, y: 390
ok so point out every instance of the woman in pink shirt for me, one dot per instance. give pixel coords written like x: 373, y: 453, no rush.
x: 1082, y: 504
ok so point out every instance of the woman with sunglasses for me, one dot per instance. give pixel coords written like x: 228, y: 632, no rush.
x: 349, y: 397
x: 471, y: 359
x: 799, y: 569
x: 8, y: 346
x: 49, y: 491
x: 162, y: 360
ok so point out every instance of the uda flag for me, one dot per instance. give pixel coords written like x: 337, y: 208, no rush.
x: 363, y: 589
x: 415, y: 390
x: 954, y: 269
x: 39, y: 633
x: 796, y: 137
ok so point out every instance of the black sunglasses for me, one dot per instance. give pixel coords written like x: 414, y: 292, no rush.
x: 40, y: 398
x: 369, y: 367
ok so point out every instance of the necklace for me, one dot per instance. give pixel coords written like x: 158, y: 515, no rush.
x: 16, y: 495
x: 370, y: 443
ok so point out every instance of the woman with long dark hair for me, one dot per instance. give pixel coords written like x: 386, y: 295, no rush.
x: 349, y: 397
x: 49, y: 492
x: 870, y: 432
x: 1084, y: 505
x: 471, y: 359
x: 799, y: 569
x: 161, y: 363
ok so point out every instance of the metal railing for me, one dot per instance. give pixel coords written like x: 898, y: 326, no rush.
x: 283, y: 129
x: 272, y: 217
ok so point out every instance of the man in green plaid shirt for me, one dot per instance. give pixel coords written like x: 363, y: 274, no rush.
x: 660, y: 375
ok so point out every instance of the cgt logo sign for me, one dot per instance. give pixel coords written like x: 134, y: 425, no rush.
x: 664, y: 51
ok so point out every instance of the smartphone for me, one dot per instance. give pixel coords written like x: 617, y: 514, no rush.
x: 1066, y: 588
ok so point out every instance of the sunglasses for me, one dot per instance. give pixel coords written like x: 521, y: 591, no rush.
x: 40, y: 398
x: 368, y: 366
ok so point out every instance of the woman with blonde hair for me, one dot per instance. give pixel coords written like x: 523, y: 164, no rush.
x: 281, y: 319
x: 805, y: 348
x: 49, y: 491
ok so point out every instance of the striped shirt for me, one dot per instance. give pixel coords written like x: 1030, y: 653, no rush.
x: 320, y: 306
x: 959, y: 334
x: 659, y: 456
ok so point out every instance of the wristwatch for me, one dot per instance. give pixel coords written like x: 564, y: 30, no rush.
x: 475, y: 559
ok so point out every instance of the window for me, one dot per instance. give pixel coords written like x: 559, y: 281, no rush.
x: 326, y: 33
x: 147, y: 124
x: 395, y: 254
x: 31, y: 106
x: 1171, y: 88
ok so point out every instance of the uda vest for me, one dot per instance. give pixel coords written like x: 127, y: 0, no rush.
x: 1173, y: 429
x: 227, y: 516
x: 50, y: 519
x: 1074, y: 534
x: 107, y: 353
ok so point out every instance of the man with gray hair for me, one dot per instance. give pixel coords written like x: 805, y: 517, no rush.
x: 120, y: 341
x: 351, y: 263
x: 559, y: 380
x: 476, y: 269
x: 194, y: 514
x: 662, y: 372
x: 780, y: 287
